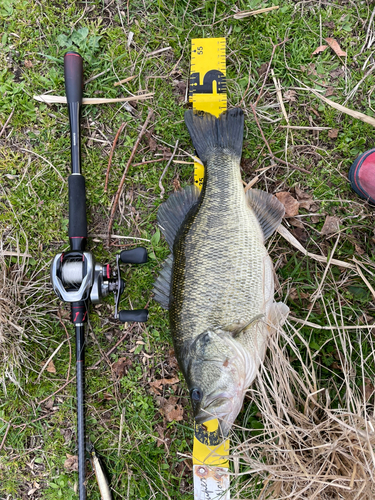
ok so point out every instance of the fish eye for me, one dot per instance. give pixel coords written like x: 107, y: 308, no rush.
x: 196, y: 394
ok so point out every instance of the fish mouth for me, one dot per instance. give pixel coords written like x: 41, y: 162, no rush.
x: 207, y: 413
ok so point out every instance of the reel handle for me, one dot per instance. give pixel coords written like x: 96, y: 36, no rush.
x: 135, y: 256
x: 136, y: 315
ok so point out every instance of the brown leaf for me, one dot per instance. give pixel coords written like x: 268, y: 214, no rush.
x: 290, y: 95
x: 359, y: 249
x: 291, y: 204
x: 331, y: 225
x: 368, y: 389
x: 157, y: 384
x: 296, y: 222
x: 152, y: 144
x: 171, y: 409
x: 51, y: 367
x: 333, y: 133
x: 263, y: 69
x: 28, y: 64
x: 300, y: 234
x: 335, y: 47
x: 305, y: 199
x: 336, y: 73
x: 120, y: 366
x: 71, y: 463
x: 315, y: 219
x: 320, y: 49
x: 330, y: 91
x: 295, y: 294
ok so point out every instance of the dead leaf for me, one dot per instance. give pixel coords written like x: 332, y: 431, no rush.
x: 28, y: 64
x: 331, y: 225
x: 71, y: 463
x: 290, y: 95
x: 336, y: 73
x: 51, y: 367
x: 320, y: 49
x: 291, y: 204
x: 171, y: 409
x: 263, y: 69
x: 152, y: 144
x: 315, y: 218
x: 296, y: 222
x: 305, y: 199
x: 295, y: 294
x: 120, y: 367
x: 335, y: 47
x: 333, y: 133
x: 157, y: 384
x: 359, y: 249
x: 368, y: 389
x: 300, y: 234
x: 330, y: 91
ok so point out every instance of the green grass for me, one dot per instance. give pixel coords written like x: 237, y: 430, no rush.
x: 33, y: 201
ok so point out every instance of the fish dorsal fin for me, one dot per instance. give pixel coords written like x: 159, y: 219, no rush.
x: 268, y: 209
x: 162, y: 285
x: 173, y: 212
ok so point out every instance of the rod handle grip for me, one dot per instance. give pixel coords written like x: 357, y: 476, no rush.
x: 73, y: 72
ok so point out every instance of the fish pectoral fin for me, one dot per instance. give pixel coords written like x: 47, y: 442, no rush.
x: 236, y: 328
x: 172, y: 213
x: 277, y: 314
x: 162, y: 285
x: 267, y: 208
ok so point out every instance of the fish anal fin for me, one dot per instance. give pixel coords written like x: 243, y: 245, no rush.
x: 267, y: 208
x: 162, y: 285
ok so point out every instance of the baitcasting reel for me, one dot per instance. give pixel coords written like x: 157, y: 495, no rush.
x: 77, y: 277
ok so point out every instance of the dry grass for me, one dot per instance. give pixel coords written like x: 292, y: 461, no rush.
x: 24, y: 311
x: 318, y: 440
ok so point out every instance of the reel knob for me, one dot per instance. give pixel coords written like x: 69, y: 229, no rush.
x: 135, y: 256
x: 138, y: 315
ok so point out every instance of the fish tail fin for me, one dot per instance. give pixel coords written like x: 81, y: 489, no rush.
x: 208, y: 132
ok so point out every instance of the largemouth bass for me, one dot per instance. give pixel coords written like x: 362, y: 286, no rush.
x: 218, y: 281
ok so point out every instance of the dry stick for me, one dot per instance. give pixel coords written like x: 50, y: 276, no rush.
x: 56, y: 392
x: 117, y: 197
x: 5, y: 436
x: 148, y: 161
x: 111, y: 154
x: 162, y: 190
x: 5, y: 126
x: 125, y: 80
x: 268, y: 70
x: 112, y: 348
x: 269, y: 149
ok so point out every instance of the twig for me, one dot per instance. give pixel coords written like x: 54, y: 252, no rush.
x: 55, y: 99
x: 248, y: 13
x: 120, y: 431
x: 5, y: 435
x: 112, y: 348
x: 58, y: 390
x: 269, y: 149
x: 162, y: 190
x: 125, y: 80
x: 148, y: 161
x: 50, y: 359
x: 297, y: 127
x: 268, y: 70
x: 96, y: 76
x: 251, y: 183
x: 119, y: 190
x: 5, y: 125
x: 47, y: 161
x: 111, y: 154
x: 159, y: 51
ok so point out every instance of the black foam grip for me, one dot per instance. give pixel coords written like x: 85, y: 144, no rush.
x: 77, y: 207
x: 135, y: 256
x: 73, y: 72
x: 139, y: 315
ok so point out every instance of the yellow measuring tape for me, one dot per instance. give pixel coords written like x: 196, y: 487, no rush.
x: 207, y: 87
x: 207, y: 92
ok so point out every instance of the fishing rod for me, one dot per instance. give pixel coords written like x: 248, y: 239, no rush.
x: 76, y: 276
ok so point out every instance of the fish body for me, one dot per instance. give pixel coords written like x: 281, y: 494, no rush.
x: 218, y: 283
